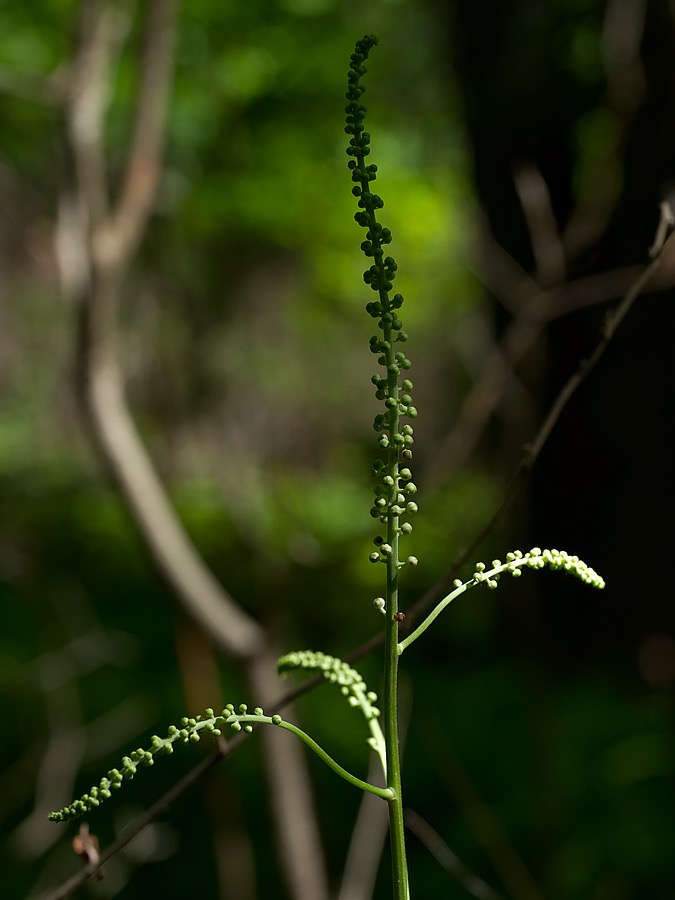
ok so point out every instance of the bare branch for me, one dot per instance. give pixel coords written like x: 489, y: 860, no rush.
x: 612, y: 322
x: 547, y: 248
x: 531, y: 316
x: 101, y: 28
x: 435, y: 844
x: 108, y: 239
x: 139, y: 824
x: 366, y: 844
x: 533, y: 449
x: 289, y: 794
x: 107, y: 244
x: 144, y: 164
x: 621, y: 38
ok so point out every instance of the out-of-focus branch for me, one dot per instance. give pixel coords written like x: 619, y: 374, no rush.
x: 531, y: 452
x: 366, y: 845
x: 435, y: 844
x: 621, y: 39
x: 622, y: 32
x: 144, y: 163
x: 107, y: 233
x: 109, y: 239
x: 612, y: 322
x: 289, y: 793
x: 547, y: 248
x: 531, y: 315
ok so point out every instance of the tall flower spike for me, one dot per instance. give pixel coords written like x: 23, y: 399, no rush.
x: 394, y: 489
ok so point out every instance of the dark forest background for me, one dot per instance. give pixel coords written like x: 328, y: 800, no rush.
x: 524, y: 149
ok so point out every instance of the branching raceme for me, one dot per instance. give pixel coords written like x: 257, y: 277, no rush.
x: 393, y: 506
x: 191, y: 732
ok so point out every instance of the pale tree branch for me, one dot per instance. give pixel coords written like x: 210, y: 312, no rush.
x: 370, y: 830
x: 108, y: 234
x: 289, y: 793
x: 547, y: 248
x: 366, y: 845
x: 144, y: 163
x: 621, y: 38
x: 108, y: 243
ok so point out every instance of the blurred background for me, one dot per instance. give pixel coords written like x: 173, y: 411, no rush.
x: 523, y: 150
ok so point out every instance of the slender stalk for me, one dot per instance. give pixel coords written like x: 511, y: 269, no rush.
x: 385, y: 793
x: 394, y: 489
x: 391, y: 737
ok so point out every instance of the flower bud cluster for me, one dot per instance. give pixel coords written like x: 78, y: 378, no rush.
x: 349, y: 680
x: 189, y: 732
x: 394, y: 490
x: 555, y: 560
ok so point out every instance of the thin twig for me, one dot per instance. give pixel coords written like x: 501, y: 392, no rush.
x: 547, y: 248
x: 533, y: 449
x: 142, y: 821
x: 452, y: 864
x: 144, y: 163
x: 530, y: 317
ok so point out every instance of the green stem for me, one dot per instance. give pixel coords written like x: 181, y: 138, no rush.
x: 396, y: 828
x: 436, y: 611
x: 384, y: 793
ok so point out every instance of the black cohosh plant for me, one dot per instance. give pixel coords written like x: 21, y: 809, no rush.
x: 393, y: 507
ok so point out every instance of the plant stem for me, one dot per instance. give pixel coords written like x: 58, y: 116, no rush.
x: 385, y: 793
x: 399, y: 866
x: 395, y: 486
